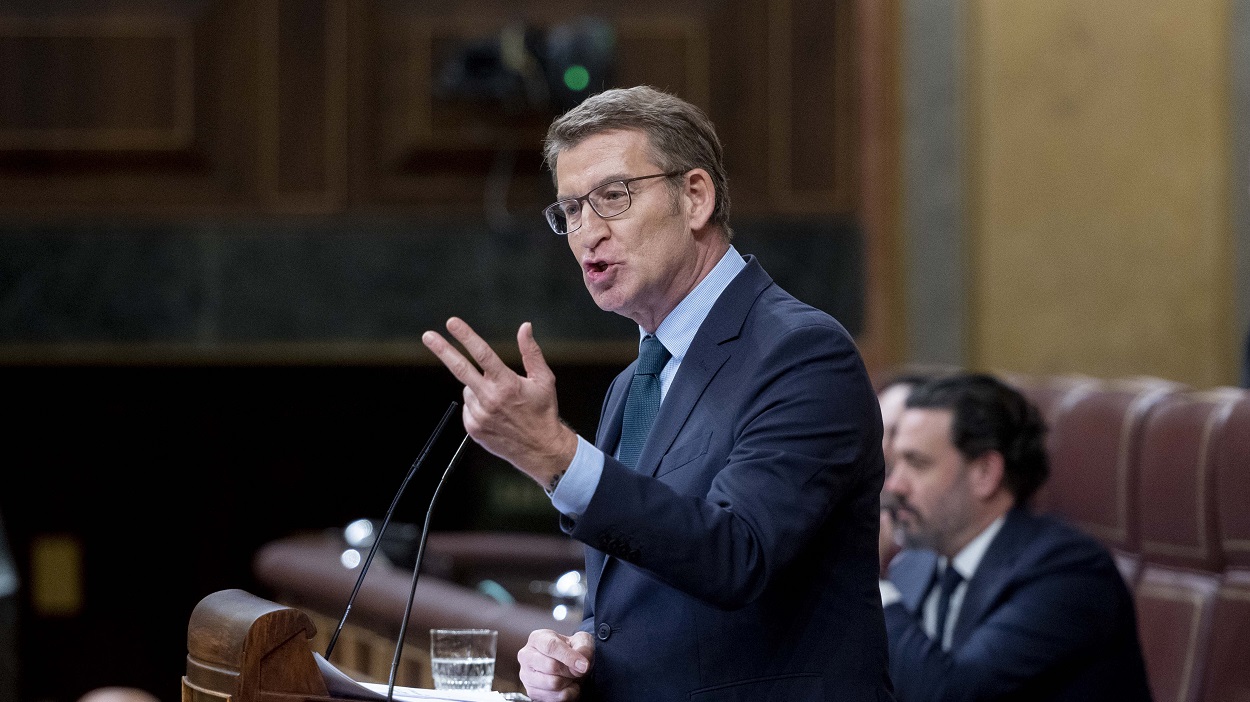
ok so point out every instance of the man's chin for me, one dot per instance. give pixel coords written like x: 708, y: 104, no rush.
x: 911, y: 540
x: 607, y: 299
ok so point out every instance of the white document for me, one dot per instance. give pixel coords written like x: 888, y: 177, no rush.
x: 343, y: 686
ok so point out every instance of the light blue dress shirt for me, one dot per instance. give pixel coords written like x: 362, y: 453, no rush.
x: 573, y: 492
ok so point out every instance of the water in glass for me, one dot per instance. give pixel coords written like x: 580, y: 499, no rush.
x: 463, y: 673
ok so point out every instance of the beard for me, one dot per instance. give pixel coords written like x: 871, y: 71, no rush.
x: 913, y: 531
x: 949, y: 516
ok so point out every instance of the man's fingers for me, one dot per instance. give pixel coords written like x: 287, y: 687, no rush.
x: 531, y: 353
x: 477, y: 347
x: 551, y: 664
x: 461, y: 367
x: 561, y: 649
x: 568, y: 693
x: 584, y: 644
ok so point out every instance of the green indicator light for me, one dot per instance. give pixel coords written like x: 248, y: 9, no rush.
x: 576, y: 77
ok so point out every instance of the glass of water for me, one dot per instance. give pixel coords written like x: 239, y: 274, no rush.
x: 463, y: 659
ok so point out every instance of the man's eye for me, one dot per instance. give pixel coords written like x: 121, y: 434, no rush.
x: 571, y: 208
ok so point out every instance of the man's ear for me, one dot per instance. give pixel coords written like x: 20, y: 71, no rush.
x: 986, y: 474
x: 701, y: 196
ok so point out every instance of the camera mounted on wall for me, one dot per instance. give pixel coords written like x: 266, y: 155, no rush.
x: 529, y: 69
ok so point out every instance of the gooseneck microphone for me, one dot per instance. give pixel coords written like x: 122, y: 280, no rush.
x: 377, y: 540
x: 416, y: 569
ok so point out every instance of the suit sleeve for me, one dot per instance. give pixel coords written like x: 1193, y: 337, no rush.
x: 800, y: 422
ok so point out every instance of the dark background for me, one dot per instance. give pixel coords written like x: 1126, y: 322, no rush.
x: 171, y: 478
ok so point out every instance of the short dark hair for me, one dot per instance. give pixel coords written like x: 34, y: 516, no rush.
x: 990, y: 415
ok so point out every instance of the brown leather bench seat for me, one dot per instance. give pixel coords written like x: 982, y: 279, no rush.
x: 1160, y: 473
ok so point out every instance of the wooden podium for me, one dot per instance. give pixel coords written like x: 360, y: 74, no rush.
x: 243, y: 648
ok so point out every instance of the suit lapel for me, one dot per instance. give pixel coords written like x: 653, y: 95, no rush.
x: 692, y: 379
x: 707, y: 354
x: 606, y: 438
x: 709, y: 350
x: 993, y: 573
x: 609, y: 433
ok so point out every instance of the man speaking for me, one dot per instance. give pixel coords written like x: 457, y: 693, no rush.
x: 729, y: 501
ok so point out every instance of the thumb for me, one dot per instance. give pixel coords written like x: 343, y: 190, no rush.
x: 584, y: 644
x: 531, y: 354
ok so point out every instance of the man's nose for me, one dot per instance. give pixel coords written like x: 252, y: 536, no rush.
x: 895, y: 483
x: 593, y: 230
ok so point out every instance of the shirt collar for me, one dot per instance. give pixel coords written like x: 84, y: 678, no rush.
x: 969, y: 557
x: 677, y: 330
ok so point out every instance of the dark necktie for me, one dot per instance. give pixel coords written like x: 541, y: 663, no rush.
x: 950, y: 580
x: 643, y: 402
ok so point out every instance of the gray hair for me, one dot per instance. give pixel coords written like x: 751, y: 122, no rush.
x: 681, y: 136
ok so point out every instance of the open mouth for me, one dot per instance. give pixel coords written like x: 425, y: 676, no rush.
x: 596, y: 266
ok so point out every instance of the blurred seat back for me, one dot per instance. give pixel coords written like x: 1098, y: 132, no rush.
x: 1180, y: 543
x: 1050, y: 393
x: 1178, y: 524
x: 1228, y: 673
x: 1094, y: 443
x: 1232, y: 475
x: 1174, y: 610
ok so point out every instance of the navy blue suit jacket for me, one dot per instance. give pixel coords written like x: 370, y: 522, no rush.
x: 1047, y: 616
x: 739, y: 561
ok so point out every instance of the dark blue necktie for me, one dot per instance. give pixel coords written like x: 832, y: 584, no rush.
x: 643, y: 402
x: 950, y: 580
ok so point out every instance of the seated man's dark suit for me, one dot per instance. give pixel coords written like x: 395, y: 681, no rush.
x: 739, y: 562
x: 1046, y: 616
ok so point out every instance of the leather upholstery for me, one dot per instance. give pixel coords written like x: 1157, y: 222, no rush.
x: 1228, y: 674
x: 1094, y: 443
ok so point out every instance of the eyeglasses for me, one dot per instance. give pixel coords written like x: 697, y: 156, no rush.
x: 607, y: 200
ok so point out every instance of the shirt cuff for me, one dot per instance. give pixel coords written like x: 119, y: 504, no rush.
x: 572, y: 494
x: 889, y: 593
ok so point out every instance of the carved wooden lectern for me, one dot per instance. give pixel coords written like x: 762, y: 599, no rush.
x: 243, y: 648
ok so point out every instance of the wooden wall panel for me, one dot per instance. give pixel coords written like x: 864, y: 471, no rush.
x: 669, y: 54
x: 304, y: 107
x: 95, y: 85
x: 171, y: 109
x: 95, y: 107
x: 419, y: 146
x: 812, y: 106
x: 207, y: 107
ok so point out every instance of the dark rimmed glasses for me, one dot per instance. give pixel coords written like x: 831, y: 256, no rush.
x: 607, y: 200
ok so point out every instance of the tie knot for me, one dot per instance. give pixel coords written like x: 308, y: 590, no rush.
x: 950, y: 580
x: 651, y: 356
